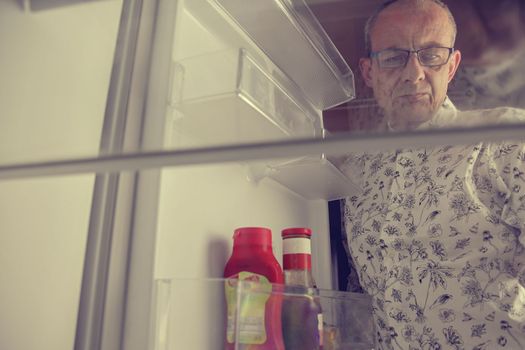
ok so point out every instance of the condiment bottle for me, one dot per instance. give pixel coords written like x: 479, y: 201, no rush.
x: 301, y: 314
x: 258, y: 319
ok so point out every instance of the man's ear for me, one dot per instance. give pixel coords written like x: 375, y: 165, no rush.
x: 365, y: 65
x: 453, y: 64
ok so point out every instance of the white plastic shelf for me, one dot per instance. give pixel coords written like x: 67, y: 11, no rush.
x: 292, y: 37
x: 243, y: 103
x: 312, y: 177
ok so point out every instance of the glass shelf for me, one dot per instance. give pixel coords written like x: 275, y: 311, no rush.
x: 335, y: 145
x: 191, y: 313
x: 311, y: 177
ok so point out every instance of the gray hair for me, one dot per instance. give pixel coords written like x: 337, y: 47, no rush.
x: 372, y: 21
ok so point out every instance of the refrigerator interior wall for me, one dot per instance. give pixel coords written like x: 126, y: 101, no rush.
x: 55, y: 67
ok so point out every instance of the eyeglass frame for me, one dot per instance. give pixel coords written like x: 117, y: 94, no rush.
x: 374, y: 54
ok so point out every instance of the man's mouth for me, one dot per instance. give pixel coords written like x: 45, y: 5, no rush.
x: 415, y: 97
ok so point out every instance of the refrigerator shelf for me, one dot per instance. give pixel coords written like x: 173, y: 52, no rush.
x: 291, y: 36
x: 312, y: 177
x: 191, y: 313
x: 243, y: 103
x: 283, y: 31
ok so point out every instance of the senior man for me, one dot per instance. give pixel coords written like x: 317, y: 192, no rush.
x: 436, y: 234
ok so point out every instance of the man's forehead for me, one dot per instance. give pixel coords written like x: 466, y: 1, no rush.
x: 407, y: 26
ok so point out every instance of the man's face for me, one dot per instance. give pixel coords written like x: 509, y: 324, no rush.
x: 412, y: 94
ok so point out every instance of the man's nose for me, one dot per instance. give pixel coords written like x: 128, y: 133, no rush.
x: 413, y: 70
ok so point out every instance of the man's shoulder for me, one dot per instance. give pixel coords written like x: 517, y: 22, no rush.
x: 449, y: 116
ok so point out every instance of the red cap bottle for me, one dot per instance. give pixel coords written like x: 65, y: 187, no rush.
x: 302, y: 313
x: 297, y: 256
x: 252, y: 259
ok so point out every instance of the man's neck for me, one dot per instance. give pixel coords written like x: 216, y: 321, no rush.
x: 394, y: 124
x: 444, y: 115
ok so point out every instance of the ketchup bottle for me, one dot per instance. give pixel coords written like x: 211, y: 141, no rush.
x: 259, y: 318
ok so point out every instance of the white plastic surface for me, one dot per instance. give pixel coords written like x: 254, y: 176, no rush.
x: 291, y: 36
x: 55, y: 69
x: 242, y: 102
x: 313, y: 177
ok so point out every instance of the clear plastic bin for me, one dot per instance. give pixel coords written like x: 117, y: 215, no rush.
x: 244, y: 103
x: 292, y: 37
x: 191, y: 314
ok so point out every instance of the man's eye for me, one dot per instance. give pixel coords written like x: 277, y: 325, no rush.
x: 393, y: 59
x: 433, y: 56
x: 430, y: 57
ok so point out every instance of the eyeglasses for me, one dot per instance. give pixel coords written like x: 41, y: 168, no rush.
x: 398, y: 58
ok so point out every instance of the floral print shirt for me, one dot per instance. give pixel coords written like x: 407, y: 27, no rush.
x: 435, y: 237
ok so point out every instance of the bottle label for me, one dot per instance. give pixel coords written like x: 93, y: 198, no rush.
x: 296, y: 246
x: 246, y: 306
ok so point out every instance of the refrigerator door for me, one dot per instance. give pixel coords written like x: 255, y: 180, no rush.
x: 55, y: 70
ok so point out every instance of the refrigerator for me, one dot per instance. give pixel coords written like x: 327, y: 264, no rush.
x: 137, y: 135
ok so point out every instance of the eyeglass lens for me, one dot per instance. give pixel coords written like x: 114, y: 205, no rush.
x: 432, y: 56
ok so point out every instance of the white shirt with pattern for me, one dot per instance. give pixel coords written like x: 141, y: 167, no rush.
x: 435, y: 238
